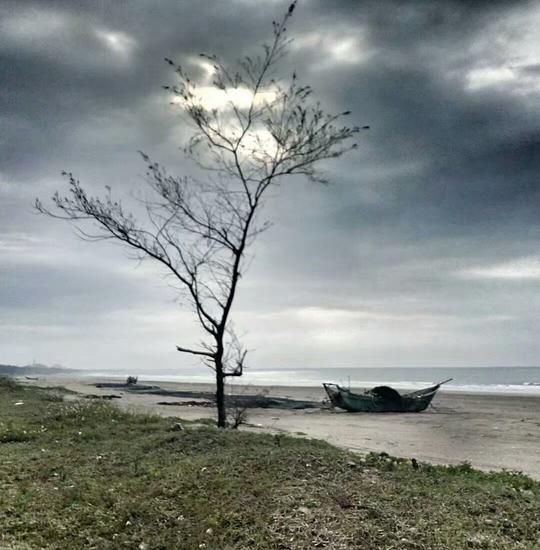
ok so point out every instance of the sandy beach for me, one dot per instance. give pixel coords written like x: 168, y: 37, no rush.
x: 490, y: 431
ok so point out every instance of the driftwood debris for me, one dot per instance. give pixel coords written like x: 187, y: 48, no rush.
x: 248, y: 401
x: 124, y: 386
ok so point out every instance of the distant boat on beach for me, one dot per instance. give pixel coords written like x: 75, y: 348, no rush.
x: 381, y: 399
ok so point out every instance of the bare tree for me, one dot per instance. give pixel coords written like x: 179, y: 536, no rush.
x: 199, y: 228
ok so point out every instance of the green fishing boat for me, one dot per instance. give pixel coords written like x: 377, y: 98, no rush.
x: 381, y: 399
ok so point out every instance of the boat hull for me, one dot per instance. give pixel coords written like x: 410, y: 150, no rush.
x: 344, y: 399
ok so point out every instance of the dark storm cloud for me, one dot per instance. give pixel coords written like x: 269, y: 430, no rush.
x: 434, y: 223
x: 60, y: 67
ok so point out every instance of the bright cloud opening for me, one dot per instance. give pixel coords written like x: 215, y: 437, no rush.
x: 342, y: 46
x: 526, y: 268
x: 210, y: 97
x: 506, y: 50
x: 490, y: 76
x: 118, y: 42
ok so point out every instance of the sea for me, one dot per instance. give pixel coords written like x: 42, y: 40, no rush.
x: 512, y: 380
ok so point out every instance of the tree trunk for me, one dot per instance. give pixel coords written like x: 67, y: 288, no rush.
x: 220, y: 398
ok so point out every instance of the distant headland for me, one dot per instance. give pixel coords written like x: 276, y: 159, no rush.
x: 34, y: 370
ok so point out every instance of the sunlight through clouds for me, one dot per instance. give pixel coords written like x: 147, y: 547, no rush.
x: 210, y: 97
x: 226, y: 101
x: 490, y: 76
x: 118, y: 42
x: 509, y: 55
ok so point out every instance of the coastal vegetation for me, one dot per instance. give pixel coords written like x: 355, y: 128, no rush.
x: 83, y: 474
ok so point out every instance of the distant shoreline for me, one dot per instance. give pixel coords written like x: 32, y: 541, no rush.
x: 526, y: 389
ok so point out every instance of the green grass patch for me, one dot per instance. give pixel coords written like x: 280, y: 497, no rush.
x: 84, y: 474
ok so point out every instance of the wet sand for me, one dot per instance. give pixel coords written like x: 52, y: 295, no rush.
x: 491, y: 431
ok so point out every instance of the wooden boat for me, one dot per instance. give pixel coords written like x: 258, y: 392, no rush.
x: 381, y: 399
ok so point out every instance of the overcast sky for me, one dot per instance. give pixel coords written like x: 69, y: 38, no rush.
x: 424, y: 250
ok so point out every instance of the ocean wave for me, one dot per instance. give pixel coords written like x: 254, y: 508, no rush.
x: 300, y: 378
